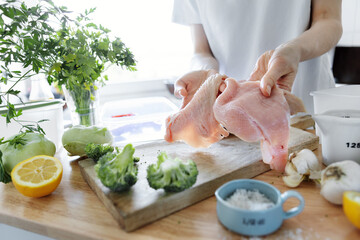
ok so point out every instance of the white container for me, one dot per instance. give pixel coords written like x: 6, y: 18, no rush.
x: 137, y: 120
x: 36, y: 111
x: 344, y: 97
x: 340, y: 135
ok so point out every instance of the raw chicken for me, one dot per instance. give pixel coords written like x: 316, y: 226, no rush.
x: 295, y: 104
x: 195, y: 123
x: 245, y: 112
x: 194, y: 80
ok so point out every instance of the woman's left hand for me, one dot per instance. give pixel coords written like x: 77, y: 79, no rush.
x: 277, y: 66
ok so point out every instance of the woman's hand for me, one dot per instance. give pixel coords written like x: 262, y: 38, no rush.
x: 277, y: 66
x: 187, y: 85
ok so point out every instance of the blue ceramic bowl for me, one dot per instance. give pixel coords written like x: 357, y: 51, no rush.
x: 254, y: 222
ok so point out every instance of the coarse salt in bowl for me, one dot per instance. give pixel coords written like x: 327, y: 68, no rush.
x: 249, y: 200
x: 261, y: 214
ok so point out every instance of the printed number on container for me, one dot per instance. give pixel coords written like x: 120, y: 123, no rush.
x: 353, y: 145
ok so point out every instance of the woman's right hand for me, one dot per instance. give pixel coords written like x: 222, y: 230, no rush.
x: 187, y: 85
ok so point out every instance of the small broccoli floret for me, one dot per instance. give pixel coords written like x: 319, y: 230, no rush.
x: 96, y: 151
x: 171, y: 174
x: 117, y: 170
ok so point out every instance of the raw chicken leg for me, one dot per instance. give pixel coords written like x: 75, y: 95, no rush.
x: 195, y: 123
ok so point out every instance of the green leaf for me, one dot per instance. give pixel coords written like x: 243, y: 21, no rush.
x: 56, y: 67
x: 103, y: 45
x: 23, y: 7
x: 9, y: 13
x: 70, y: 57
x: 91, y: 25
x: 11, y: 112
x: 4, y: 176
x: 18, y: 113
x: 45, y: 16
x: 43, y: 120
x: 17, y: 140
x: 13, y: 92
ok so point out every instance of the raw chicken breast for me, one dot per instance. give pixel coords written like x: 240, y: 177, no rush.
x: 245, y: 112
x: 195, y: 123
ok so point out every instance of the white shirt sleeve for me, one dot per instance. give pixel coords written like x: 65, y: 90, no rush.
x: 186, y: 12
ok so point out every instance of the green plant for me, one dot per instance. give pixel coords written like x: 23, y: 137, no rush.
x: 84, y: 51
x: 73, y: 53
x: 118, y: 171
x: 26, y: 43
x: 171, y: 174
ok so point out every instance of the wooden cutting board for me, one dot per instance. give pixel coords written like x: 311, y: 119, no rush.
x: 231, y: 158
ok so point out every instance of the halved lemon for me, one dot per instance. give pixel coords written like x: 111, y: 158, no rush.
x: 37, y: 176
x: 351, y: 206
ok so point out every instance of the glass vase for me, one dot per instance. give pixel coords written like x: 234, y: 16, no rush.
x: 83, y: 104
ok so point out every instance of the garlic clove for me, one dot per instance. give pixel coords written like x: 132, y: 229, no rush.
x: 290, y: 169
x: 315, y: 174
x: 300, y: 165
x: 293, y: 180
x: 312, y: 161
x: 305, y: 161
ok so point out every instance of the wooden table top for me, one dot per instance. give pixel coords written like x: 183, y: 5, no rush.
x: 73, y: 211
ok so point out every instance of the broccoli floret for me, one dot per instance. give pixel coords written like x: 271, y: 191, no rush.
x: 116, y: 170
x: 171, y: 174
x: 96, y: 151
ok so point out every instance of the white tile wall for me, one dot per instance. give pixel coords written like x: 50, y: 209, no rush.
x: 351, y: 23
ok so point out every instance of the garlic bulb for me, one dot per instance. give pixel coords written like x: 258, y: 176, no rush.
x: 339, y: 177
x: 301, y: 165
